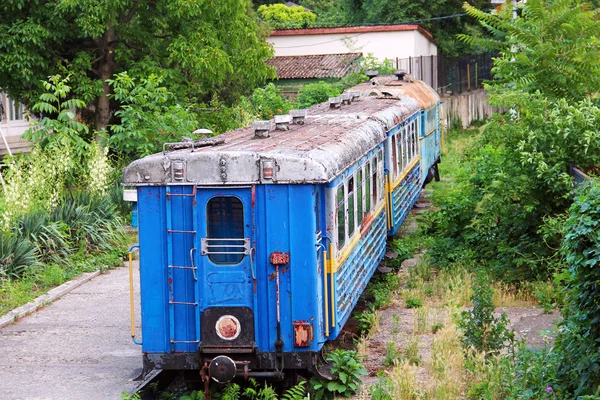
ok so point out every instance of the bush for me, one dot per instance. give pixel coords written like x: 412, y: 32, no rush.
x: 315, y: 93
x: 481, y: 329
x: 578, y: 341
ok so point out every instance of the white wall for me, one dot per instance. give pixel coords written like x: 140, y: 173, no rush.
x: 382, y: 45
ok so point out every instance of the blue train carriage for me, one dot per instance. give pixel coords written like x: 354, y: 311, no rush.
x: 256, y: 244
x: 412, y: 147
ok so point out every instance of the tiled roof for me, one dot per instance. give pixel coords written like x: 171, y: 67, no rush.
x: 316, y: 66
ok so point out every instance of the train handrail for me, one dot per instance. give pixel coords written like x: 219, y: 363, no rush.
x: 131, y: 301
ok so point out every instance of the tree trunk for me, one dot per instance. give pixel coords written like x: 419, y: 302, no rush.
x: 105, y: 71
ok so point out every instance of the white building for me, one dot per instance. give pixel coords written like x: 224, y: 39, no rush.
x: 382, y: 41
x: 13, y: 123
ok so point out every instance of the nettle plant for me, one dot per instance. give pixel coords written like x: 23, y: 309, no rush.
x: 348, y: 368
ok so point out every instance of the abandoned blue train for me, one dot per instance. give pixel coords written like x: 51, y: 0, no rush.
x: 256, y: 244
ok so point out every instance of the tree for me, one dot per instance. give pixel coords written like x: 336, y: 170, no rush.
x: 552, y: 47
x: 200, y: 47
x: 282, y: 16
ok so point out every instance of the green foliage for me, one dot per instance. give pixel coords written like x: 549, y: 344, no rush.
x: 280, y: 16
x: 528, y: 374
x: 392, y: 356
x: 514, y: 181
x: 254, y: 391
x: 149, y: 115
x: 315, y: 93
x: 201, y: 48
x: 579, y: 339
x: 268, y: 102
x: 365, y: 319
x: 348, y: 368
x: 60, y: 125
x: 17, y: 255
x: 481, y: 329
x: 552, y: 47
x: 194, y: 395
x: 413, y: 302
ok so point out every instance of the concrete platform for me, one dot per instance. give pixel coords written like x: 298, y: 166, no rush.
x: 78, y: 347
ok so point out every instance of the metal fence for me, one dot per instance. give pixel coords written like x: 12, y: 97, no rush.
x: 449, y: 74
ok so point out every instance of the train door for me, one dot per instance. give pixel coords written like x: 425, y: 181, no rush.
x: 226, y: 267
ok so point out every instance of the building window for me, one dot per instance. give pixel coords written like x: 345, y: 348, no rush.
x: 16, y: 111
x: 225, y: 220
x: 341, y: 211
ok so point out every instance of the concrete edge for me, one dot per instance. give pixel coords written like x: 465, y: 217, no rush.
x: 13, y: 316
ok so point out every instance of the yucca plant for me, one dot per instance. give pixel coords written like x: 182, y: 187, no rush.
x: 51, y: 238
x: 17, y: 256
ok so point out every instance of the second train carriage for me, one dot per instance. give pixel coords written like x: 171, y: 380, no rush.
x: 255, y: 245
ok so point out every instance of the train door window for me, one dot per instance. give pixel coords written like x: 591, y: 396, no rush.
x: 341, y: 211
x: 368, y: 186
x: 351, y: 202
x: 225, y: 220
x: 359, y: 196
x: 394, y: 155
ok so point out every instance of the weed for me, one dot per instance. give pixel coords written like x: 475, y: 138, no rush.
x: 481, y: 329
x: 392, y: 356
x: 435, y: 328
x: 421, y: 319
x: 348, y: 368
x: 413, y: 302
x: 548, y: 295
x: 395, y: 324
x: 412, y: 351
x: 366, y: 320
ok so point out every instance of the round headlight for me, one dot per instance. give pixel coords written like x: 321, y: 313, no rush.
x: 228, y: 327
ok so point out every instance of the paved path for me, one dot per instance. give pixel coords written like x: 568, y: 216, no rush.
x: 78, y: 347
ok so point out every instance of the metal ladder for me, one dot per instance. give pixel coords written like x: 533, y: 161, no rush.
x: 171, y: 268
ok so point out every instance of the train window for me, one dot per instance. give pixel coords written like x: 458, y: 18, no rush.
x: 351, y: 192
x: 403, y: 144
x: 399, y: 150
x: 368, y: 186
x: 359, y: 196
x: 341, y: 211
x: 395, y: 155
x: 375, y: 181
x: 225, y: 220
x: 414, y: 138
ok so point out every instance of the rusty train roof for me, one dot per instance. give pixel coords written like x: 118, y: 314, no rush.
x: 330, y: 140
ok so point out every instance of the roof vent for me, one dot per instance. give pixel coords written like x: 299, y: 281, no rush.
x: 372, y: 73
x: 262, y: 128
x: 355, y: 95
x: 298, y: 116
x: 335, y: 102
x: 282, y: 122
x: 346, y: 98
x: 400, y: 74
